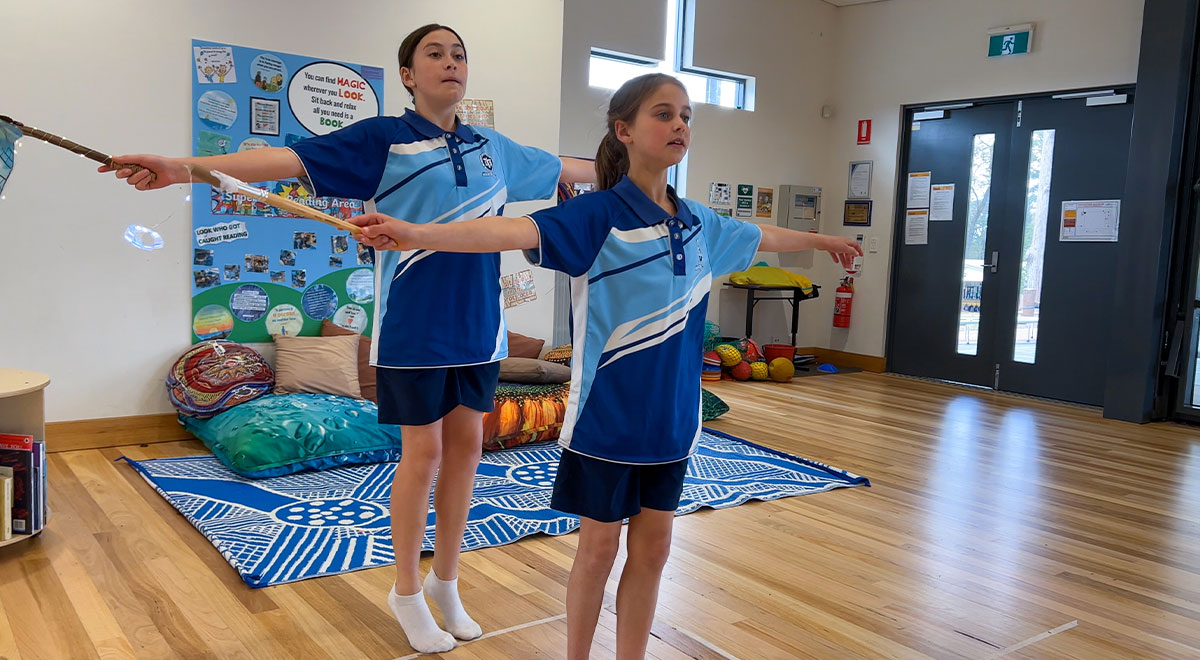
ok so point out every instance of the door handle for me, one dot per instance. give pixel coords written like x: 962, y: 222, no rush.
x: 995, y: 261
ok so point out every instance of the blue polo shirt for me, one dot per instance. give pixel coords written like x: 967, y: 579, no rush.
x: 640, y: 280
x: 433, y: 309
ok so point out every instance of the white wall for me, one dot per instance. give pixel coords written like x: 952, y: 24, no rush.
x: 899, y: 52
x: 867, y: 61
x: 105, y: 320
x: 789, y: 46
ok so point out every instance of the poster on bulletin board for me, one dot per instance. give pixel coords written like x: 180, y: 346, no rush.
x: 258, y: 271
x: 477, y: 112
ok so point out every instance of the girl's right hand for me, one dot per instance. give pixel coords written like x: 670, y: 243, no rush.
x: 157, y: 171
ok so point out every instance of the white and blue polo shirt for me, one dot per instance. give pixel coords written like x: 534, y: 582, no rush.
x: 433, y: 309
x: 640, y: 281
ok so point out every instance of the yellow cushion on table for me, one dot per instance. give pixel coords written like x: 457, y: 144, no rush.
x: 771, y: 276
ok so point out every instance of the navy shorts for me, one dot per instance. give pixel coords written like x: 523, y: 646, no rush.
x: 611, y: 492
x: 416, y: 397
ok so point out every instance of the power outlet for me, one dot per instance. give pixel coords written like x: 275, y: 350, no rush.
x: 873, y: 245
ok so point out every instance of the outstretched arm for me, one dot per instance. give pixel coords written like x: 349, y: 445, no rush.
x: 778, y: 239
x: 267, y: 164
x: 489, y: 234
x: 577, y: 170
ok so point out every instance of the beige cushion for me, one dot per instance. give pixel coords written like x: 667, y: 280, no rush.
x: 527, y: 370
x: 317, y: 365
x: 367, y: 381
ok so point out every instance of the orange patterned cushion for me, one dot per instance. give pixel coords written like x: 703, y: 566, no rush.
x: 524, y: 413
x: 559, y: 355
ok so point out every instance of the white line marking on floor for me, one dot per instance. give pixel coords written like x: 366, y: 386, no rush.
x: 712, y: 647
x: 495, y: 633
x: 1035, y: 639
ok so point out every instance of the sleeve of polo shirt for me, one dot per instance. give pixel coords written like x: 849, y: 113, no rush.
x: 529, y: 173
x: 732, y: 243
x: 348, y: 162
x: 570, y: 235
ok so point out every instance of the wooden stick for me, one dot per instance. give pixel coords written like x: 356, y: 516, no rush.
x: 278, y: 201
x: 73, y: 147
x: 199, y: 173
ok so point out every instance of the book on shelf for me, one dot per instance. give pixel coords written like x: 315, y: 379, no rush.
x: 35, y: 492
x: 17, y: 453
x: 6, y: 497
x: 41, y: 491
x: 16, y: 441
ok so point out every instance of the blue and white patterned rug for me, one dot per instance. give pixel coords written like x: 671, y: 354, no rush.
x: 299, y: 526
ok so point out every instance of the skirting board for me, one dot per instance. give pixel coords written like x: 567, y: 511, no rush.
x: 113, y: 432
x: 840, y: 358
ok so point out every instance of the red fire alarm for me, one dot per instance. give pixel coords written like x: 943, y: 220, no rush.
x: 864, y: 131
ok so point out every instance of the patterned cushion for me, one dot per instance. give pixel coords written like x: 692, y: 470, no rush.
x: 711, y: 406
x: 559, y: 355
x: 524, y: 413
x: 285, y: 433
x: 213, y: 376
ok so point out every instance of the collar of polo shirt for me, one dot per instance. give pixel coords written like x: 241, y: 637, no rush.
x: 429, y: 129
x: 645, y: 208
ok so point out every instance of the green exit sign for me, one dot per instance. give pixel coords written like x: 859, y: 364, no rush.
x: 1010, y: 40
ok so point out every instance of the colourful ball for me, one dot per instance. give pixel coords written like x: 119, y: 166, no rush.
x: 741, y: 371
x: 729, y: 355
x: 782, y: 369
x: 758, y: 370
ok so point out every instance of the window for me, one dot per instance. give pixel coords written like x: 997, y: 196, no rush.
x: 978, y: 206
x: 610, y: 69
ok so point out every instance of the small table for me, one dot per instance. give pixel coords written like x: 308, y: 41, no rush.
x: 22, y: 410
x: 752, y: 299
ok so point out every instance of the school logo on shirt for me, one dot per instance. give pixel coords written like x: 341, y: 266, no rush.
x: 487, y: 165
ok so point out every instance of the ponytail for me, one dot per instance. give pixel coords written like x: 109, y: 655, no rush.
x: 612, y: 161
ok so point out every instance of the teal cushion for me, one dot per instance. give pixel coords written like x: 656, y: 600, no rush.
x: 711, y: 406
x: 285, y: 433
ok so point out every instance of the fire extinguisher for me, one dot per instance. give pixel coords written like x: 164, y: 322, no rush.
x: 842, y: 301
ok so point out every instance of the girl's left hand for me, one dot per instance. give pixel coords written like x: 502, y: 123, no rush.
x: 843, y: 249
x: 383, y: 232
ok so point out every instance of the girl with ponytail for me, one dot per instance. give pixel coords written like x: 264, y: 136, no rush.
x: 435, y: 380
x: 642, y: 263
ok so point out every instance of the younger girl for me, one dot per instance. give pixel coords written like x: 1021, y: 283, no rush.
x: 642, y: 263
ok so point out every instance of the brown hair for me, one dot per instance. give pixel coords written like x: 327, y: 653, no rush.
x: 612, y: 159
x: 408, y: 47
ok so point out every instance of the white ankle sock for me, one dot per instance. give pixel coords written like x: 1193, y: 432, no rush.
x: 422, y: 631
x: 445, y: 594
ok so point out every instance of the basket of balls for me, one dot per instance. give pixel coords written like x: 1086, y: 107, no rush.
x: 743, y: 359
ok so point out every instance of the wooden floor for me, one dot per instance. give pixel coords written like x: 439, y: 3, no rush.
x: 995, y: 527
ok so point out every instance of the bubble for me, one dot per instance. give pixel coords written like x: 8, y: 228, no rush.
x: 143, y: 238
